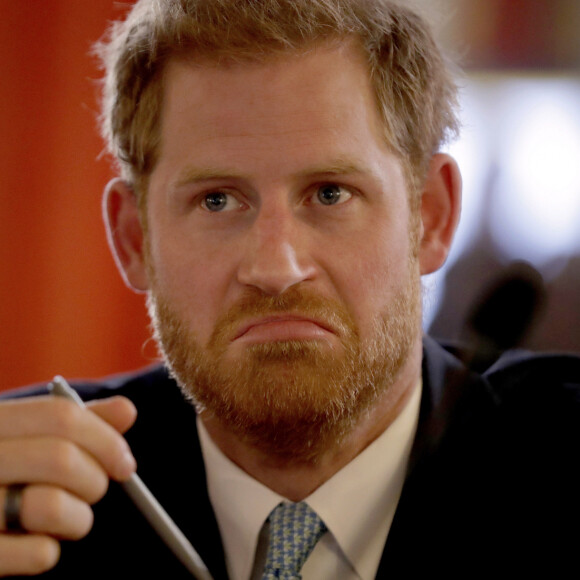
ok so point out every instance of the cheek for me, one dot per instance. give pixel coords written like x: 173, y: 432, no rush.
x: 374, y: 279
x: 374, y: 271
x: 195, y: 283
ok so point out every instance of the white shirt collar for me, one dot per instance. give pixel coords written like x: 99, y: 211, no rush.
x: 241, y: 505
x: 367, y: 491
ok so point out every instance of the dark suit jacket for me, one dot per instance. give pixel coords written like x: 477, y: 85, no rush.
x: 493, y: 483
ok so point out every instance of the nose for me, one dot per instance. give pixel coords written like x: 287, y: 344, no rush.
x: 275, y: 257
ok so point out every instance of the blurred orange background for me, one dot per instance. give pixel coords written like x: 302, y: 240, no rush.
x: 63, y: 306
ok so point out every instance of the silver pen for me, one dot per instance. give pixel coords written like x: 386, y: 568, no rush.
x: 147, y: 504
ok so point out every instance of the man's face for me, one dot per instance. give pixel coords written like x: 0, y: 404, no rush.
x: 284, y: 280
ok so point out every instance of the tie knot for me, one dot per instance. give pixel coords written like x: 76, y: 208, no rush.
x: 294, y: 530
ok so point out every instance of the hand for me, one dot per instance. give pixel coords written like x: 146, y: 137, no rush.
x: 65, y: 456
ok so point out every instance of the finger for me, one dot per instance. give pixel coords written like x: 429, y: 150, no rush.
x: 53, y: 461
x: 55, y: 416
x: 119, y: 412
x: 27, y: 554
x: 52, y: 511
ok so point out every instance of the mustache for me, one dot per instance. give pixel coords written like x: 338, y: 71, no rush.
x: 297, y: 301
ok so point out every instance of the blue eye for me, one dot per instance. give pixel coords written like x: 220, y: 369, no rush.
x: 215, y: 201
x: 218, y: 201
x: 332, y: 194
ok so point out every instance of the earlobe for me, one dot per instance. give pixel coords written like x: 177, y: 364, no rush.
x: 125, y: 233
x: 440, y: 210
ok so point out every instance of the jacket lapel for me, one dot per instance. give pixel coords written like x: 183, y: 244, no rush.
x: 171, y: 447
x: 430, y: 517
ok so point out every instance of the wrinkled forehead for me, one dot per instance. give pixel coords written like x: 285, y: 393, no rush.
x: 326, y: 91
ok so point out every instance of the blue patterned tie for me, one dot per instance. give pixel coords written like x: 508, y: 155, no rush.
x: 294, y: 530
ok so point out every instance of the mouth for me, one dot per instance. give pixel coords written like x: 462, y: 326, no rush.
x: 283, y: 327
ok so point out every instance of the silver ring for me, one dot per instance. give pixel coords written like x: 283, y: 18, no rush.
x: 12, y: 506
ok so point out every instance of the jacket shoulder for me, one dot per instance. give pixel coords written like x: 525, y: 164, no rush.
x: 548, y: 378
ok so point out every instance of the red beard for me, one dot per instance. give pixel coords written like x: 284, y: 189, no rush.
x: 290, y: 399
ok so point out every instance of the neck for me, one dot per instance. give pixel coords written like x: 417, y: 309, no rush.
x: 297, y: 480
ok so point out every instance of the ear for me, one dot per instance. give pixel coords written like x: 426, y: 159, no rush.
x: 440, y: 210
x: 125, y: 233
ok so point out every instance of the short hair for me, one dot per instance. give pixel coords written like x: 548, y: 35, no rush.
x: 412, y: 80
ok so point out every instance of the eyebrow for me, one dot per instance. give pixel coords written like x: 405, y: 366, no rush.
x: 198, y: 174
x: 335, y: 167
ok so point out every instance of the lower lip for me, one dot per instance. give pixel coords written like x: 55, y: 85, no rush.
x: 281, y: 330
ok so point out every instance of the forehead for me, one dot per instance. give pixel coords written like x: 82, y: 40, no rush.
x: 320, y: 95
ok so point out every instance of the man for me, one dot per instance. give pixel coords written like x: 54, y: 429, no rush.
x: 281, y: 193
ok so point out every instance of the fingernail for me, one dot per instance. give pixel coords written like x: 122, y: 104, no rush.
x: 127, y: 466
